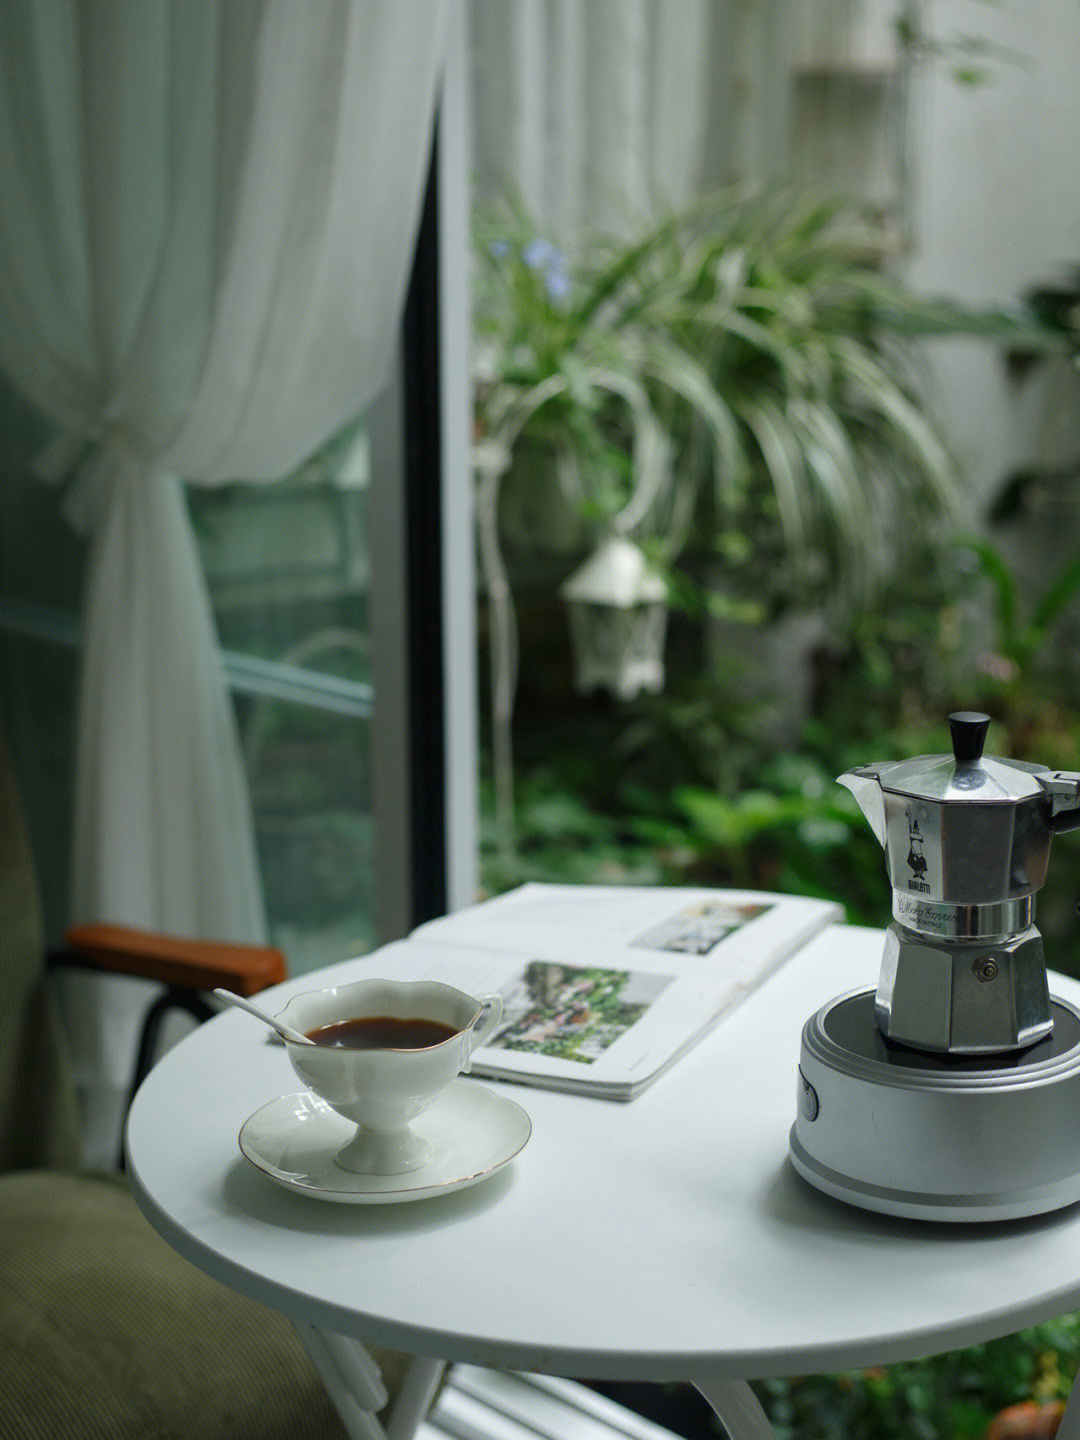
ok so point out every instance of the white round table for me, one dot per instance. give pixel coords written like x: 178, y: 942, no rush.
x: 667, y: 1238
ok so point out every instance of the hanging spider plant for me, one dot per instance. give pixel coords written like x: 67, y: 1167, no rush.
x: 739, y: 379
x: 776, y: 393
x: 561, y: 364
x: 821, y: 452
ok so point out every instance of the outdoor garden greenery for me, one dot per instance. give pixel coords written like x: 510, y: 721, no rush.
x: 773, y: 373
x: 1020, y: 1382
x: 735, y: 390
x: 741, y: 390
x: 737, y: 377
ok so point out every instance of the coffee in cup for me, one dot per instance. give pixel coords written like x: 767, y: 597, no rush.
x: 383, y: 1051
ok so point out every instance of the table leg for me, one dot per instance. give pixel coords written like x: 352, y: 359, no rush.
x: 1069, y: 1426
x: 739, y: 1410
x: 414, y: 1399
x: 355, y: 1387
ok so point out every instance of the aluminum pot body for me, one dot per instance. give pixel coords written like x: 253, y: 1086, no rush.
x: 965, y: 853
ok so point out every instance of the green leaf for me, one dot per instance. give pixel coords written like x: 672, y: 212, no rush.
x: 1062, y: 590
x: 908, y: 422
x: 785, y: 464
x: 673, y: 367
x: 993, y: 566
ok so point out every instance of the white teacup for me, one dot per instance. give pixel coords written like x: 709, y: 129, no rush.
x: 382, y: 1090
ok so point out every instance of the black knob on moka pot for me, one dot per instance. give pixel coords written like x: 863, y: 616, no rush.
x: 968, y: 729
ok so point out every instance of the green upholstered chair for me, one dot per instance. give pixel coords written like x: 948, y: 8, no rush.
x: 105, y: 1331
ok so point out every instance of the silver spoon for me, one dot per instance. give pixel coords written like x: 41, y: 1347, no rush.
x: 285, y: 1031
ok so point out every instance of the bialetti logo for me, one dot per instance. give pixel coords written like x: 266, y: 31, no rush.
x: 915, y: 858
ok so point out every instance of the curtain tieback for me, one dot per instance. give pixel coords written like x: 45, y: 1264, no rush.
x: 91, y: 469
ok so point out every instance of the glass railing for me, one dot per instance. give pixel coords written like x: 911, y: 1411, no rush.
x: 244, y: 674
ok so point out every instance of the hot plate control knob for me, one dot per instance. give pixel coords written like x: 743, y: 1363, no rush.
x: 808, y: 1101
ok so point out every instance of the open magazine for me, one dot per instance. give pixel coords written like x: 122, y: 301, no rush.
x: 603, y: 987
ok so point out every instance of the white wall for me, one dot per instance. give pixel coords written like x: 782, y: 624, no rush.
x: 993, y: 192
x: 995, y: 208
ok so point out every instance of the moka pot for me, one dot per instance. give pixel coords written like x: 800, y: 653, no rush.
x: 967, y: 843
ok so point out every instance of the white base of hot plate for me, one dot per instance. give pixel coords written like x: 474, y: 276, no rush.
x: 906, y: 1133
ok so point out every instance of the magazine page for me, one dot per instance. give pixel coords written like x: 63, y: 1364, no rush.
x: 569, y: 1023
x: 748, y: 930
x: 603, y: 987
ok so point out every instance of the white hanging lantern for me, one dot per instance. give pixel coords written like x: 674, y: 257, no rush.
x: 618, y: 617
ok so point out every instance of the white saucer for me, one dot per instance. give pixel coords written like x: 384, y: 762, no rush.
x: 473, y: 1132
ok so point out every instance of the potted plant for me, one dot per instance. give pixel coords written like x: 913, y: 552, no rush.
x: 564, y: 369
x: 738, y: 381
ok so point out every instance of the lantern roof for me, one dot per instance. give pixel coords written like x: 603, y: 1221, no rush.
x: 616, y: 574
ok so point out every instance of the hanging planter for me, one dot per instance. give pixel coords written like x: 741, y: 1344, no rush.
x: 617, y: 609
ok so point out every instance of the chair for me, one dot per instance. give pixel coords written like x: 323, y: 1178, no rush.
x: 105, y: 1331
x: 187, y: 969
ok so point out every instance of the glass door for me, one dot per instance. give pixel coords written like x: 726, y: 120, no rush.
x: 289, y: 572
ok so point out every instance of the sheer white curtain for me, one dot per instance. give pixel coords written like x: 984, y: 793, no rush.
x: 207, y: 213
x: 596, y: 112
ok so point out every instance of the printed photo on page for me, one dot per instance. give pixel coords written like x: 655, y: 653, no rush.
x: 572, y: 1012
x: 604, y: 986
x: 700, y: 928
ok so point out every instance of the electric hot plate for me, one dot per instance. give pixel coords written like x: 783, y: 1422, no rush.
x: 909, y: 1132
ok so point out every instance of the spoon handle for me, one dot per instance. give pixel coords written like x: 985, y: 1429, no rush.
x: 285, y: 1031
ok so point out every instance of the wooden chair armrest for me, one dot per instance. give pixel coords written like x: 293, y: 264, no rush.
x: 185, y: 964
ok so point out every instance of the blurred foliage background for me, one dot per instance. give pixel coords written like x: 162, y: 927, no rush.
x: 831, y: 599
